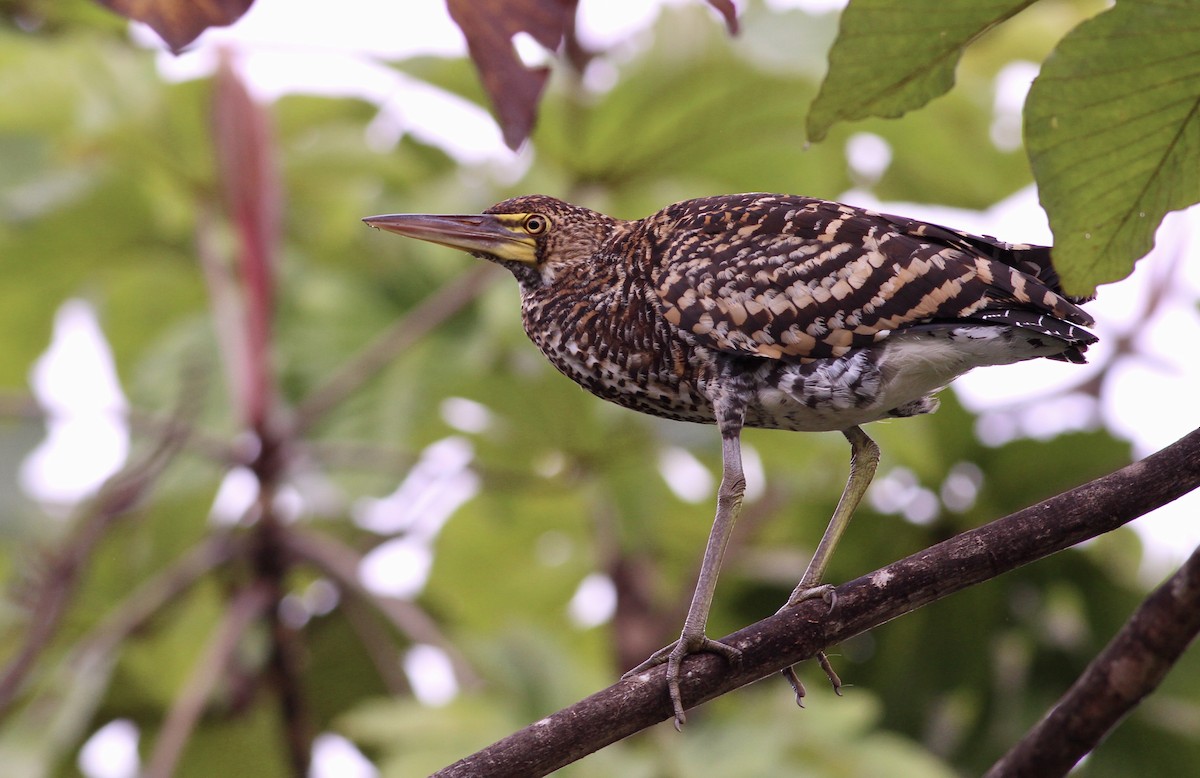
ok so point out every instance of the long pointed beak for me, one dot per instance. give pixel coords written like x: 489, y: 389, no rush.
x: 484, y: 234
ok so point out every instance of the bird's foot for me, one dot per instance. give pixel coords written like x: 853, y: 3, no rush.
x: 828, y: 593
x: 673, y: 656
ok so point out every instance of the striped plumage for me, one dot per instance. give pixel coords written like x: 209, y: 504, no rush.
x: 814, y: 296
x: 765, y: 310
x: 814, y: 279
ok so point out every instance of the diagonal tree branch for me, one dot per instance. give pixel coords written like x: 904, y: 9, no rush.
x: 862, y: 604
x: 360, y: 368
x: 244, y: 609
x: 341, y: 563
x: 23, y: 405
x: 1129, y: 669
x: 156, y: 594
x: 67, y: 566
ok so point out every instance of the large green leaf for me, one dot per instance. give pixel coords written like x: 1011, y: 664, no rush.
x: 101, y: 199
x: 890, y: 57
x: 1113, y: 130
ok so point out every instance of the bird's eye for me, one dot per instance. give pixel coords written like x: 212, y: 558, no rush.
x: 536, y: 224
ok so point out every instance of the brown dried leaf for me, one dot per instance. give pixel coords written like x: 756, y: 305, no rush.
x: 489, y: 27
x: 179, y: 22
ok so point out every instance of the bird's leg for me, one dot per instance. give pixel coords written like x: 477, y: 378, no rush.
x: 864, y: 459
x: 693, y: 639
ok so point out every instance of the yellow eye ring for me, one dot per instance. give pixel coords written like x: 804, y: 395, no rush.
x: 536, y: 224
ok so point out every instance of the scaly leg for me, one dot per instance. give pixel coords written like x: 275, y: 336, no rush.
x: 693, y: 639
x: 864, y: 459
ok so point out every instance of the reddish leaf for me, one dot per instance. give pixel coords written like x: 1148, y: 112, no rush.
x: 489, y: 27
x: 179, y: 22
x: 253, y: 199
x: 729, y: 12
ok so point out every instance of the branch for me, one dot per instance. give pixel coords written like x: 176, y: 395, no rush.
x: 244, y: 609
x: 23, y: 405
x: 341, y: 563
x: 68, y: 565
x: 432, y: 311
x: 199, y: 442
x: 156, y: 594
x: 862, y: 604
x: 379, y: 645
x: 1129, y: 668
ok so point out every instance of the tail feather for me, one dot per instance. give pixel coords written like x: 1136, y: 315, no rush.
x: 1075, y: 337
x: 1028, y: 258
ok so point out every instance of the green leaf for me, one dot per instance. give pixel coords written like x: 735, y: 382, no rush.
x: 46, y: 731
x: 414, y: 739
x: 249, y: 742
x: 890, y: 58
x: 1113, y: 130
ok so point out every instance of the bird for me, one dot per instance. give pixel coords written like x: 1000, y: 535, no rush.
x: 765, y: 311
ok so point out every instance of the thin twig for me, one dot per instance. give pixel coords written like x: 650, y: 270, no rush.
x: 800, y: 632
x: 285, y: 666
x: 244, y: 609
x: 271, y: 563
x: 149, y: 599
x: 1129, y: 669
x: 57, y: 583
x: 22, y: 405
x: 355, y: 456
x: 432, y: 311
x: 203, y: 444
x: 341, y: 564
x: 379, y: 644
x: 287, y: 673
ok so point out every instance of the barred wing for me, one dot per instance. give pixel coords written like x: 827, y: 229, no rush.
x: 791, y: 277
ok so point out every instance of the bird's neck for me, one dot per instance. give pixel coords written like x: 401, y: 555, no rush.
x: 604, y: 329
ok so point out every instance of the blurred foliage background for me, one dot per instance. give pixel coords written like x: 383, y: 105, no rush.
x: 522, y: 493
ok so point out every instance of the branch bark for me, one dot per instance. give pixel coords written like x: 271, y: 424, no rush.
x: 862, y: 604
x: 1129, y: 669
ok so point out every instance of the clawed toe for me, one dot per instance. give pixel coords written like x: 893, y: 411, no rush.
x: 798, y: 686
x: 709, y: 646
x: 673, y: 655
x: 803, y: 592
x: 826, y: 592
x: 834, y: 679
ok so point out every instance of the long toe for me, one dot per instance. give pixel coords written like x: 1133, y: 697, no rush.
x: 797, y: 685
x: 827, y: 667
x: 673, y: 655
x: 654, y: 660
x: 707, y: 645
x: 826, y: 592
x: 680, y: 648
x: 675, y: 659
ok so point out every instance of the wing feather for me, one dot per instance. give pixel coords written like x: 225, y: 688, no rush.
x: 791, y: 277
